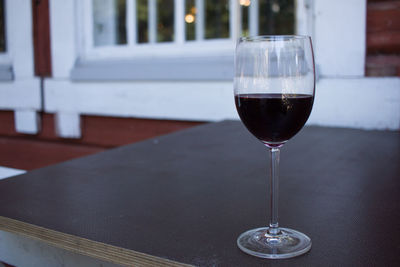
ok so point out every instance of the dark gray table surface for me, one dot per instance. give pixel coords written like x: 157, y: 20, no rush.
x: 188, y: 195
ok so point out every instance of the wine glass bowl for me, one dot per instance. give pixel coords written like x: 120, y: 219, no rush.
x: 274, y: 87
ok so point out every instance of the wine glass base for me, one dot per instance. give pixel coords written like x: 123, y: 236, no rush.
x: 287, y: 243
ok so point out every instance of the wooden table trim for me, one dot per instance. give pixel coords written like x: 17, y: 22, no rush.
x: 85, y: 246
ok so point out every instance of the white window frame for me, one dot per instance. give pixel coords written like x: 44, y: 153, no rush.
x: 179, y: 47
x: 5, y: 57
x: 341, y: 73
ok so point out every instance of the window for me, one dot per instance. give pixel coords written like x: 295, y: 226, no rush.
x: 123, y: 28
x: 6, y: 73
x: 109, y: 25
x: 267, y: 17
x: 2, y: 28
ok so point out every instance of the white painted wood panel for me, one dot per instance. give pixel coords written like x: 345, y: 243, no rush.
x: 19, y: 13
x: 20, y: 94
x: 62, y: 37
x: 163, y: 100
x: 68, y: 124
x: 27, y: 121
x: 367, y: 103
x: 340, y: 37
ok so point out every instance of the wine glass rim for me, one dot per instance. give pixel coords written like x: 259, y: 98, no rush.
x: 260, y: 38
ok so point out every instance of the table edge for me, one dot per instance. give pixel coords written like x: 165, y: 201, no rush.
x: 83, y: 246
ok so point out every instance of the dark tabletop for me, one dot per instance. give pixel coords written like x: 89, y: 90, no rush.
x: 188, y: 195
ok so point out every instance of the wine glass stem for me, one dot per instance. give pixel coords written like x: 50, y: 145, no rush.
x: 274, y: 188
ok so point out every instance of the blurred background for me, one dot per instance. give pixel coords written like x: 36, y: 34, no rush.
x: 81, y: 76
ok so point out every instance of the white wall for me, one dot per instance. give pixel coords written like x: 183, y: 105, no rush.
x: 63, y: 19
x: 340, y: 37
x: 162, y: 100
x: 344, y: 97
x: 367, y: 103
x: 23, y: 93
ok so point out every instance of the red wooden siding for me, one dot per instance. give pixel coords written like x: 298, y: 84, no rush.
x: 98, y: 133
x: 383, y: 38
x: 41, y: 37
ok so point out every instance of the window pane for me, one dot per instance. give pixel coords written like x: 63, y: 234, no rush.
x: 143, y: 22
x: 244, y: 4
x: 217, y: 19
x: 165, y: 20
x: 190, y: 19
x: 276, y: 17
x: 109, y: 22
x: 2, y: 28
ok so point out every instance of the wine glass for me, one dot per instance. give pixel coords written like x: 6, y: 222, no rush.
x: 274, y: 88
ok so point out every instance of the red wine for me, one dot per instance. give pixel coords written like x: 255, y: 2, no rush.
x: 274, y: 118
